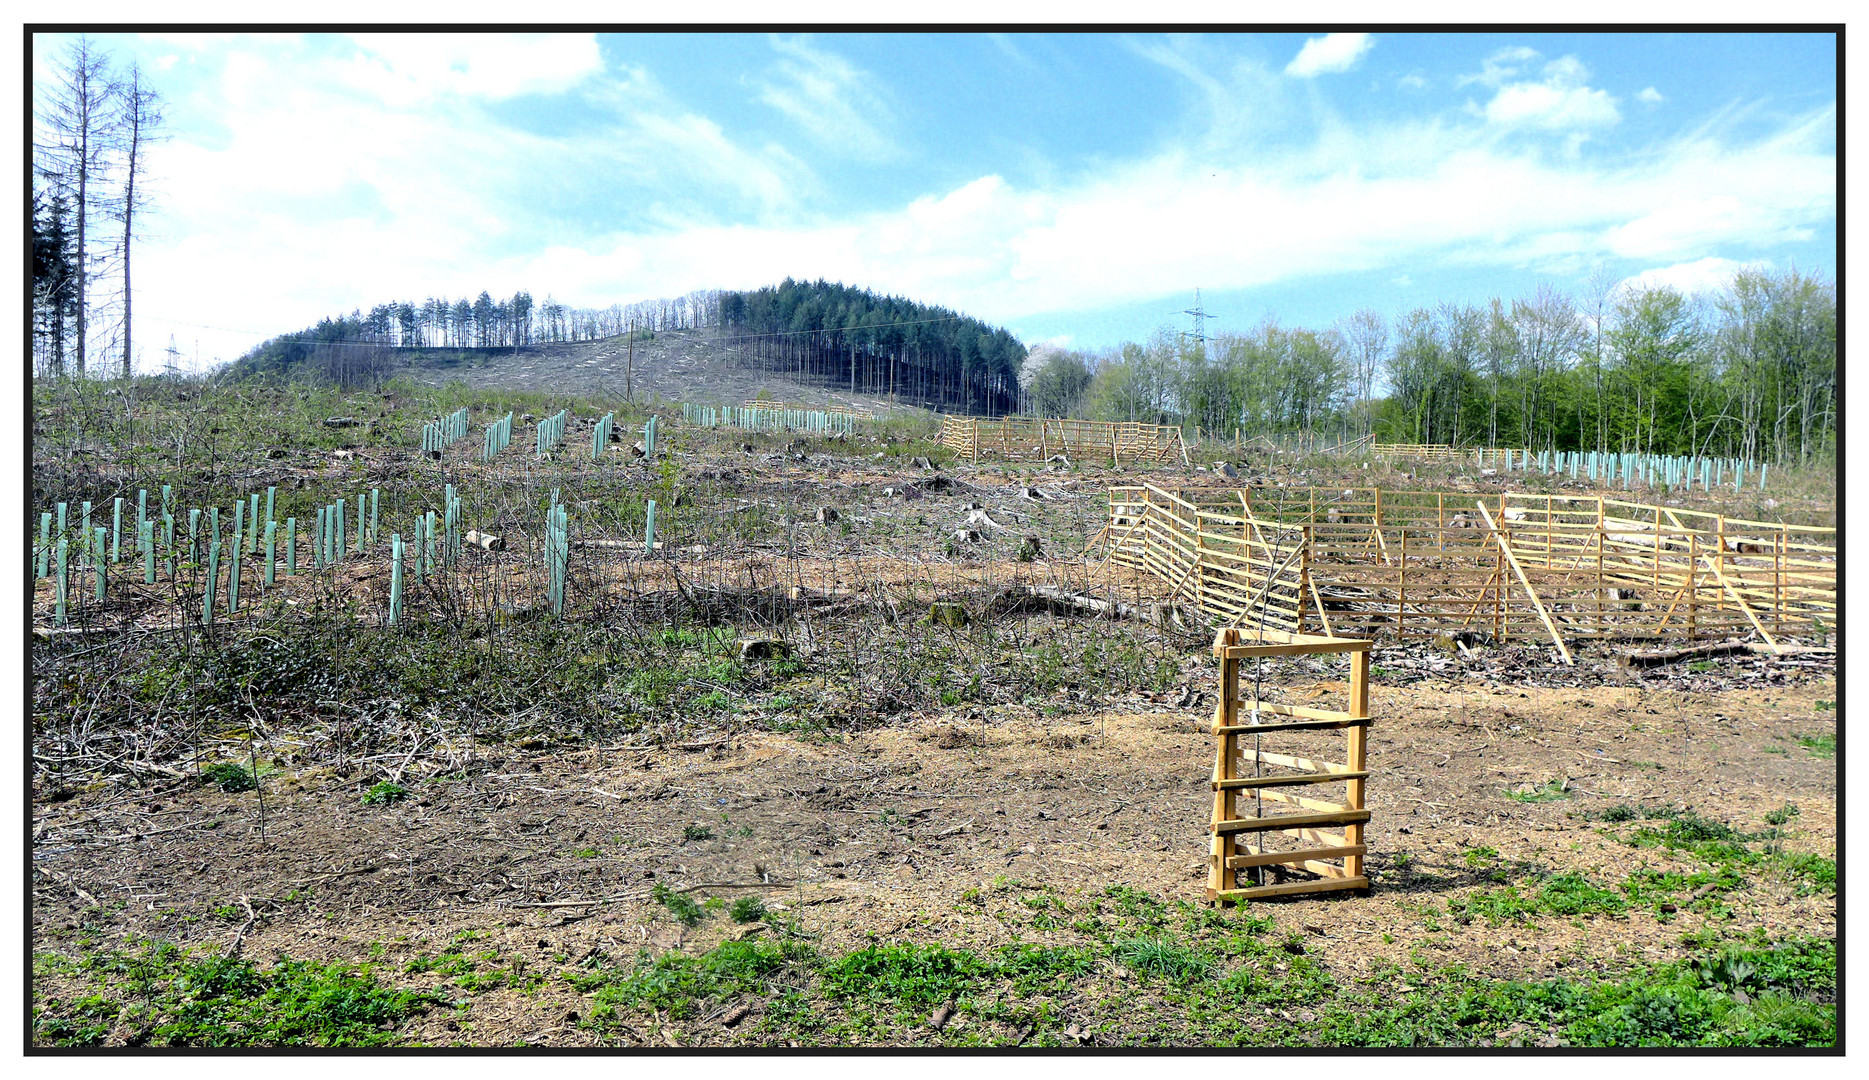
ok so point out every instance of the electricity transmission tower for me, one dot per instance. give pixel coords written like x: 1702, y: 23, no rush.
x: 1201, y: 315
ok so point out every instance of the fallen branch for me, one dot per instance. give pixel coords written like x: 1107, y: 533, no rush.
x: 1659, y: 657
x: 632, y: 897
x: 1050, y: 599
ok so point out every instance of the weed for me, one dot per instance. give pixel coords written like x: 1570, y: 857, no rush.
x: 697, y: 833
x: 1820, y: 746
x: 748, y: 909
x: 680, y: 905
x: 1162, y: 957
x: 385, y: 793
x: 177, y: 1000
x: 680, y: 984
x: 229, y: 776
x: 1781, y: 815
x: 906, y: 974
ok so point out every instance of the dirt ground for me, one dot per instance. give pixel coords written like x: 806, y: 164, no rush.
x: 881, y: 836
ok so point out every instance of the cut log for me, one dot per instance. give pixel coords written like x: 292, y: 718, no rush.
x: 764, y: 649
x: 1051, y: 599
x: 1658, y: 657
x: 341, y: 421
x: 826, y: 515
x: 486, y: 541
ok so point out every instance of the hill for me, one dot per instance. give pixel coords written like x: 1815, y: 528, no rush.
x: 702, y: 366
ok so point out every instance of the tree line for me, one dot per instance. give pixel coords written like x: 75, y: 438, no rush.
x: 93, y: 125
x: 359, y: 346
x: 842, y: 336
x: 1747, y: 371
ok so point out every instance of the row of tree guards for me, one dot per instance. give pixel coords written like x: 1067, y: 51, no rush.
x: 94, y: 549
x: 499, y: 437
x: 69, y: 550
x: 755, y: 418
x: 438, y: 435
x: 1649, y: 470
x: 434, y: 543
x: 551, y: 432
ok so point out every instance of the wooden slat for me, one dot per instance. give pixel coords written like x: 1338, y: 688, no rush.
x: 1292, y: 888
x: 1270, y: 858
x: 1291, y: 725
x: 1291, y: 821
x: 1286, y: 781
x: 1305, y: 711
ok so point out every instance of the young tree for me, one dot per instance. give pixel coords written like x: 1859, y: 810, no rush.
x: 53, y: 270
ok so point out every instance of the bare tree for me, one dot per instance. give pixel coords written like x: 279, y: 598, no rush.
x: 139, y: 118
x: 76, y: 121
x: 1367, y: 336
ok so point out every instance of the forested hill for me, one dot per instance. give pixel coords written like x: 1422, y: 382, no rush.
x: 822, y: 333
x: 840, y: 335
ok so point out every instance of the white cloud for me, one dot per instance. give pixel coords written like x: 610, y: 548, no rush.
x: 1561, y: 102
x: 1412, y: 82
x: 409, y: 68
x: 1711, y: 274
x: 829, y: 98
x: 1329, y: 54
x: 1500, y: 66
x: 1649, y: 96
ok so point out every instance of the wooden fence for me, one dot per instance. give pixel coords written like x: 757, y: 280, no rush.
x: 1513, y: 566
x: 1015, y: 438
x: 1294, y: 840
x: 1483, y: 457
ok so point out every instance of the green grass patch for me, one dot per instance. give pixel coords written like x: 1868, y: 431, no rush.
x: 161, y: 996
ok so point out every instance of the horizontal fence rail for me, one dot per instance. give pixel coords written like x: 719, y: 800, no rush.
x: 1508, y: 567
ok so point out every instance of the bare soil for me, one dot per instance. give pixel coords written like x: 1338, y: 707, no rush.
x: 880, y: 836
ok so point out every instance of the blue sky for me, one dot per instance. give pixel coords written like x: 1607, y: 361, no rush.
x: 1076, y: 188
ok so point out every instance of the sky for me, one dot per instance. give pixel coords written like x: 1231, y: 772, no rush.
x: 1075, y: 188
